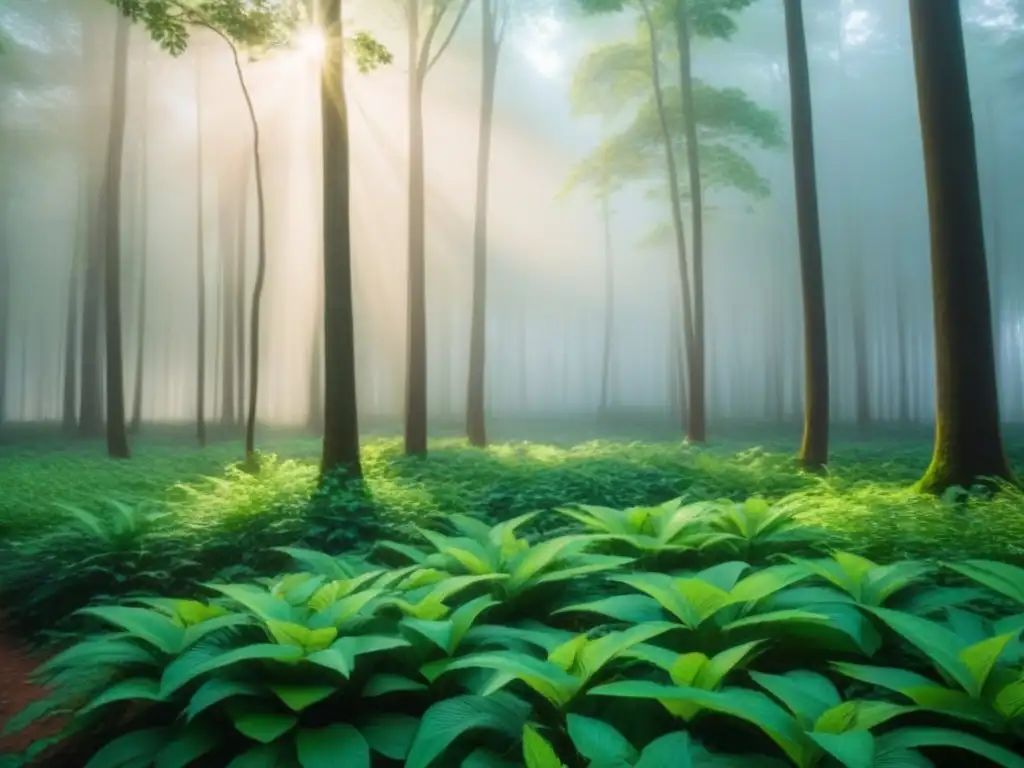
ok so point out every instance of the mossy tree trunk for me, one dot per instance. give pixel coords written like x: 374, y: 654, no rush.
x: 814, y: 445
x: 968, y: 444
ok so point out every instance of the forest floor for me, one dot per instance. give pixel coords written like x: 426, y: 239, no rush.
x: 77, y: 527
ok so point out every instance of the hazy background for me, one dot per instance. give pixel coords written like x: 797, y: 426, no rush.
x: 545, y: 327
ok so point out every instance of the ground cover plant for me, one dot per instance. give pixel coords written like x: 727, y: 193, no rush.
x: 760, y: 644
x: 70, y: 538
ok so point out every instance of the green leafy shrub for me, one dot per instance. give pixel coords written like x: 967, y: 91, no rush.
x: 816, y: 662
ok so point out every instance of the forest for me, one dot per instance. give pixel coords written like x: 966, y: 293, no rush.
x: 511, y: 383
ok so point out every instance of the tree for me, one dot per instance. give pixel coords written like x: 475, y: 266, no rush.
x: 968, y: 444
x: 200, y: 267
x: 340, y: 407
x: 424, y: 20
x: 493, y: 27
x: 813, y: 453
x: 117, y: 436
x: 671, y: 25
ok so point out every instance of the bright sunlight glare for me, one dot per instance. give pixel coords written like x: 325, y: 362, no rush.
x: 311, y: 42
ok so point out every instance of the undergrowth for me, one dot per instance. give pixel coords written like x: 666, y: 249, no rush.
x: 726, y: 634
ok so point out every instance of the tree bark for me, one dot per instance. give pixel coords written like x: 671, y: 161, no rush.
x: 476, y: 421
x: 416, y: 321
x: 696, y: 430
x: 813, y: 453
x: 227, y: 193
x: 5, y: 302
x: 968, y: 444
x: 69, y: 410
x: 143, y: 241
x: 200, y: 267
x: 341, y: 413
x: 117, y: 437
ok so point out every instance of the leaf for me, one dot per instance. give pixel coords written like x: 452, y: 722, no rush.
x: 382, y: 684
x: 335, y: 745
x: 537, y: 752
x: 451, y: 718
x: 185, y: 669
x: 859, y: 716
x: 855, y: 749
x: 599, y: 742
x: 914, y: 738
x: 189, y: 746
x: 264, y: 727
x: 300, y: 697
x: 981, y: 657
x: 145, y: 624
x: 263, y: 604
x: 1006, y: 579
x: 633, y: 609
x: 130, y: 749
x: 597, y: 653
x: 216, y: 690
x: 940, y: 645
x: 136, y: 688
x: 808, y: 695
x: 391, y: 735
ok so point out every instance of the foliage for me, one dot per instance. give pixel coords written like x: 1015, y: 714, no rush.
x: 344, y: 660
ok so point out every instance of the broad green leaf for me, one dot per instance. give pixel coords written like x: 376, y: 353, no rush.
x: 565, y: 656
x: 599, y: 742
x: 633, y: 609
x: 185, y: 669
x: 940, y: 645
x: 807, y: 695
x: 784, y: 617
x: 537, y: 752
x: 130, y: 749
x: 540, y: 556
x: 914, y: 738
x: 337, y: 659
x: 136, y: 688
x: 264, y: 727
x: 452, y: 718
x: 859, y: 716
x: 463, y: 618
x: 216, y: 690
x: 391, y: 735
x: 981, y: 657
x: 547, y: 679
x: 715, y: 670
x: 263, y: 604
x: 147, y: 625
x: 1004, y: 578
x: 767, y: 582
x: 438, y: 632
x: 597, y: 653
x: 382, y: 684
x: 187, y: 747
x: 333, y: 746
x: 300, y: 697
x: 855, y: 749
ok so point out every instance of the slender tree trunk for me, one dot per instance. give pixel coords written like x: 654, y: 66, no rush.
x: 814, y: 445
x: 140, y: 352
x: 117, y: 438
x: 200, y: 267
x: 416, y: 325
x: 968, y: 444
x: 861, y: 356
x: 675, y: 193
x: 609, y: 304
x: 476, y: 421
x: 340, y: 406
x: 696, y: 431
x: 903, y: 353
x: 5, y: 301
x: 227, y: 192
x: 241, y: 279
x: 69, y: 410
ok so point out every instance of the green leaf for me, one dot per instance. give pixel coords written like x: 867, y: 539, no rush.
x: 547, y: 679
x: 337, y: 659
x: 940, y: 645
x: 391, y: 735
x: 599, y: 742
x: 914, y: 738
x: 136, y: 688
x: 335, y: 745
x: 130, y: 750
x: 981, y: 657
x: 597, y: 653
x: 145, y: 624
x: 263, y: 604
x: 264, y: 727
x: 859, y: 716
x: 807, y: 695
x: 463, y: 618
x: 300, y: 697
x: 855, y: 749
x: 633, y: 609
x: 188, y: 747
x: 185, y: 669
x: 216, y: 690
x: 382, y: 684
x: 451, y: 718
x: 1006, y: 579
x: 537, y: 752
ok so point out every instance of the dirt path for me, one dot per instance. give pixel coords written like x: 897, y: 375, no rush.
x: 16, y: 692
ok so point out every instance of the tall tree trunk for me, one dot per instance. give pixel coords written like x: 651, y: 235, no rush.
x: 675, y: 192
x: 476, y: 421
x: 696, y: 431
x: 241, y: 264
x: 5, y: 301
x: 341, y: 412
x: 968, y: 444
x: 315, y: 416
x: 143, y: 244
x: 416, y: 323
x: 200, y: 268
x: 117, y: 438
x: 227, y: 193
x: 861, y: 356
x: 69, y: 410
x: 814, y: 445
x: 609, y: 304
x: 903, y: 353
